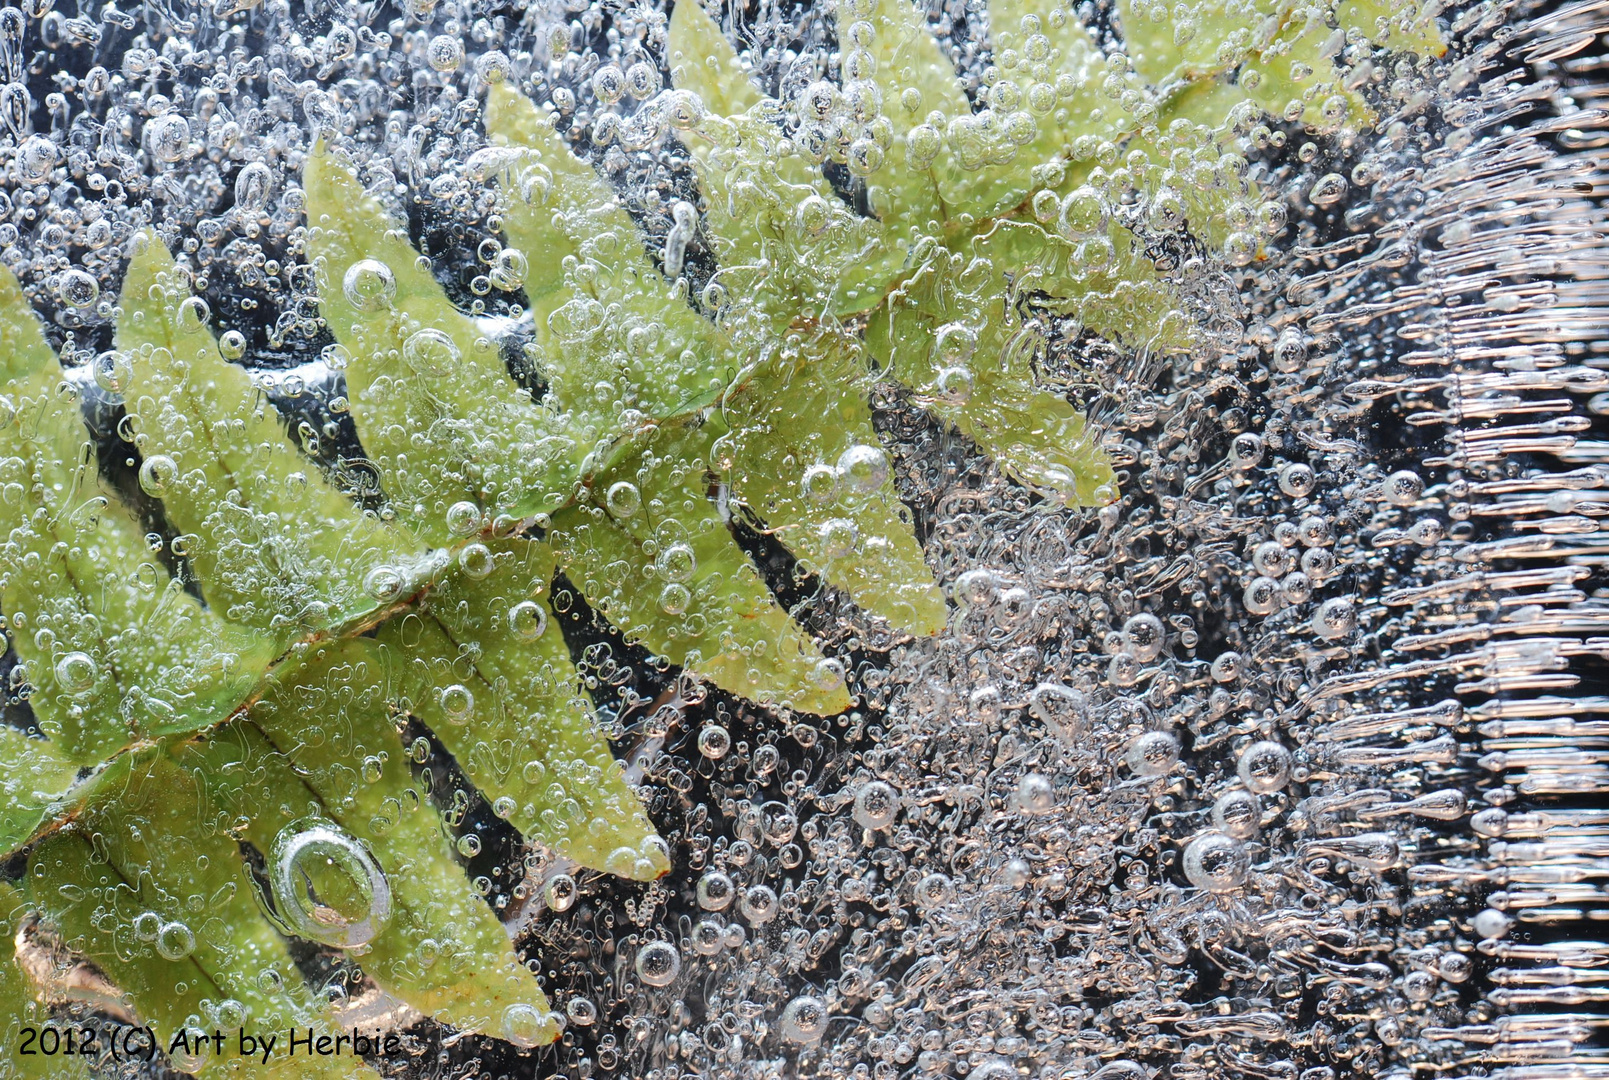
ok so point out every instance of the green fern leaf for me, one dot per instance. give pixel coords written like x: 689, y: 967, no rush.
x: 485, y: 665
x: 352, y: 768
x: 1072, y: 88
x: 703, y: 62
x: 217, y: 456
x: 1293, y: 77
x: 666, y: 572
x: 658, y: 358
x: 165, y: 909
x: 778, y: 225
x: 1401, y: 29
x: 113, y: 649
x: 817, y: 479
x: 34, y: 778
x: 887, y: 575
x: 1216, y: 39
x: 456, y: 442
x: 896, y: 49
x: 893, y: 51
x: 962, y: 363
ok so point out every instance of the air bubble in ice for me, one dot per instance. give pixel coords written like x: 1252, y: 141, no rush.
x: 1404, y: 487
x: 1143, y: 636
x: 1061, y: 708
x: 714, y: 741
x: 525, y: 1025
x: 1035, y: 794
x: 1246, y: 451
x: 1237, y: 813
x: 175, y: 940
x: 527, y: 620
x: 758, y: 904
x: 1296, y: 480
x: 1215, y: 862
x: 445, y: 52
x: 1154, y: 753
x: 560, y: 893
x: 1335, y: 618
x: 1490, y: 923
x: 76, y: 672
x: 623, y: 499
x: 78, y: 289
x: 167, y: 137
x: 864, y: 468
x: 658, y: 963
x: 253, y: 186
x: 457, y: 701
x: 369, y: 285
x: 327, y: 887
x: 1264, y: 767
x: 804, y: 1020
x: 36, y: 157
x: 875, y: 804
x: 428, y: 351
x: 676, y: 563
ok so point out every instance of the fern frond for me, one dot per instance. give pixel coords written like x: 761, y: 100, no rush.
x: 456, y: 441
x: 1069, y: 101
x: 34, y: 778
x: 669, y: 575
x: 440, y: 949
x: 896, y: 59
x: 818, y: 479
x: 114, y: 650
x: 783, y: 235
x: 1411, y: 29
x: 513, y: 714
x: 613, y: 539
x: 217, y: 456
x: 656, y: 357
x: 165, y: 909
